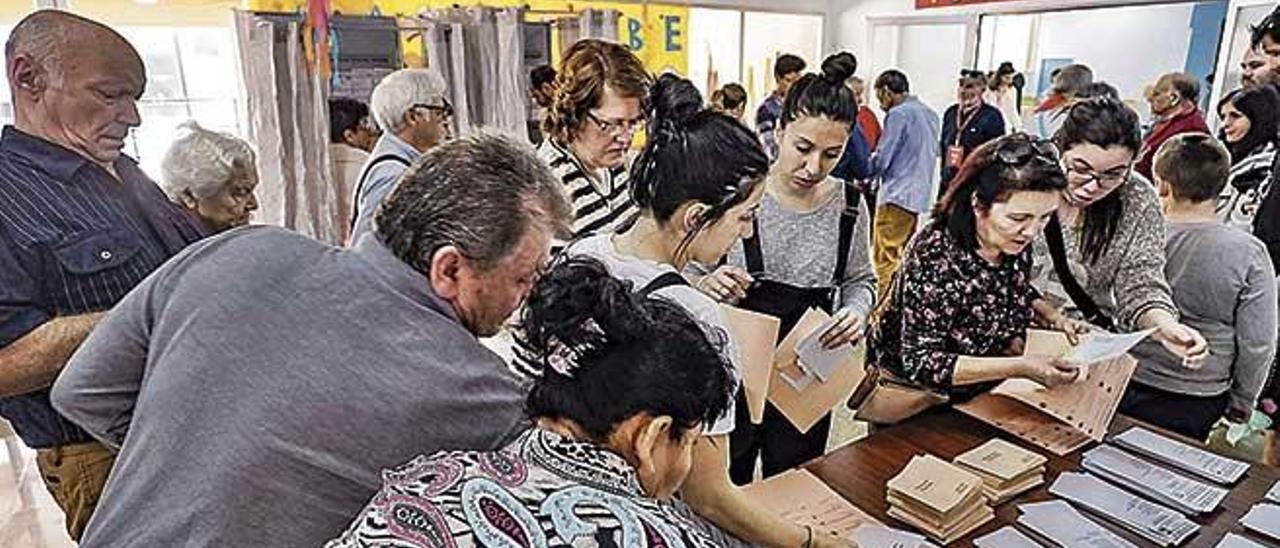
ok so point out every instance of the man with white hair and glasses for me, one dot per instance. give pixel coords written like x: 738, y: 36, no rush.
x: 410, y: 108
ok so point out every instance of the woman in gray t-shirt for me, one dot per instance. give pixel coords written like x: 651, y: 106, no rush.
x: 808, y: 249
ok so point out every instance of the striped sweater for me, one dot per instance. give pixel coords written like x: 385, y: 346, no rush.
x: 601, y: 204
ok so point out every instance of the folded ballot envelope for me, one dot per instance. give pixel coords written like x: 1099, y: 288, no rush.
x: 1061, y: 419
x: 1006, y: 469
x: 940, y: 499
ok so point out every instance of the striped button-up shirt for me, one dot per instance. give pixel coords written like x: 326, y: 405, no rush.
x: 73, y: 240
x: 600, y: 206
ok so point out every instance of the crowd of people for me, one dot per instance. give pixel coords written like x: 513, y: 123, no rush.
x: 189, y: 380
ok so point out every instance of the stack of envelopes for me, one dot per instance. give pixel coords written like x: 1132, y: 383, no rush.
x: 1006, y: 469
x: 938, y: 498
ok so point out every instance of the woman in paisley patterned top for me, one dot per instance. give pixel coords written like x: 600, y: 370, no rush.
x: 629, y: 382
x: 958, y: 309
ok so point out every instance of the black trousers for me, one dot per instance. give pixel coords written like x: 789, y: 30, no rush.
x: 1191, y: 416
x: 775, y: 441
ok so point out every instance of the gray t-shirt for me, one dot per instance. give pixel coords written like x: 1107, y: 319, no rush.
x: 799, y: 248
x: 1225, y: 287
x: 259, y: 382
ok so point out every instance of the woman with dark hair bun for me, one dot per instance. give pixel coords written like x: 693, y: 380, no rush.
x: 1249, y: 129
x: 809, y: 249
x: 629, y: 383
x: 1103, y: 254
x: 957, y: 310
x: 698, y: 183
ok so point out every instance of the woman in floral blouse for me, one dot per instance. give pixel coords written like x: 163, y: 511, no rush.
x: 629, y: 381
x: 959, y: 307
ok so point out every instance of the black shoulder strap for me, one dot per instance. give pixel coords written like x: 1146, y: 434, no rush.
x: 1058, y: 252
x: 663, y: 281
x: 848, y: 221
x: 751, y: 250
x: 364, y: 174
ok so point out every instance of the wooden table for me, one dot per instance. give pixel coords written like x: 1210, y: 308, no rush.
x: 860, y: 470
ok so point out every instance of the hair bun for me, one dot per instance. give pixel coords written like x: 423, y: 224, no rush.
x: 838, y: 67
x: 674, y: 100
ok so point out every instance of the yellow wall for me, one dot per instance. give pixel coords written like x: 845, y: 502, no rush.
x: 185, y: 13
x: 657, y: 33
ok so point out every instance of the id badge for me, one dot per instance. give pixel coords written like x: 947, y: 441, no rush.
x: 955, y: 156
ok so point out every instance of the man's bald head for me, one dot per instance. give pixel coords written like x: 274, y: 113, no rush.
x: 49, y: 37
x: 75, y: 82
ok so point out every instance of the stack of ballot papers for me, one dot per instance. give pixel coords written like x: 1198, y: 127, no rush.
x: 879, y: 536
x: 1006, y: 537
x: 1274, y: 494
x: 1060, y: 524
x: 1263, y: 519
x: 942, y: 500
x: 1006, y: 469
x: 1200, y: 462
x: 1182, y: 493
x: 1233, y: 540
x: 1161, y: 525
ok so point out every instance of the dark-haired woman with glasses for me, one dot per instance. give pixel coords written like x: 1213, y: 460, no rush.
x: 957, y: 311
x: 1109, y: 235
x: 595, y: 112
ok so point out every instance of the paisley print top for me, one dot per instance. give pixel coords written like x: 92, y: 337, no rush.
x: 541, y: 490
x: 946, y: 302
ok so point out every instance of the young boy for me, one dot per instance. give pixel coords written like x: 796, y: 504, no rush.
x: 1224, y: 286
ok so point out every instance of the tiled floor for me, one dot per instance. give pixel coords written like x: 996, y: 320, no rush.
x: 29, y: 518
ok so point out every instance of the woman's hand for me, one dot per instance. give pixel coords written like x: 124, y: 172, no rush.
x: 1048, y: 371
x: 848, y: 329
x: 1072, y: 328
x: 727, y: 284
x: 824, y: 539
x: 1184, y: 342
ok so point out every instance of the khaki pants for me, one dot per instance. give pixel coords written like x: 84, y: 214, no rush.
x: 75, y: 475
x: 893, y: 229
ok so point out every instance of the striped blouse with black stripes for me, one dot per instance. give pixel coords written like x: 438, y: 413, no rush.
x: 601, y: 206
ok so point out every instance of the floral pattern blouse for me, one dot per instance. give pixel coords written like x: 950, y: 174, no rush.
x: 542, y: 490
x: 946, y: 302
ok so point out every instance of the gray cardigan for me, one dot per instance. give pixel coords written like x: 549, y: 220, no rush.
x: 1128, y: 279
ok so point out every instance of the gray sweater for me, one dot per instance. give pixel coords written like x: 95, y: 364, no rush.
x: 1128, y: 279
x: 1225, y: 287
x: 799, y: 248
x: 259, y: 382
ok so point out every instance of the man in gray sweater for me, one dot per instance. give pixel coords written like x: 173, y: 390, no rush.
x: 258, y: 383
x: 1224, y: 286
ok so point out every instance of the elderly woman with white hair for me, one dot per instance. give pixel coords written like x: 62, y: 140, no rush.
x: 409, y: 107
x: 212, y: 175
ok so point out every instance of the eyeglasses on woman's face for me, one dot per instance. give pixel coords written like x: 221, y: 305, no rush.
x: 616, y: 126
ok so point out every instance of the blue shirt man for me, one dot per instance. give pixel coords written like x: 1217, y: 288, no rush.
x: 904, y: 162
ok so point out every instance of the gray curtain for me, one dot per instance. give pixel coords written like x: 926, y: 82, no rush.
x: 480, y: 54
x: 287, y: 122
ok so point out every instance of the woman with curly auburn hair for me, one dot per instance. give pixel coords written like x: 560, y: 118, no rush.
x: 596, y: 110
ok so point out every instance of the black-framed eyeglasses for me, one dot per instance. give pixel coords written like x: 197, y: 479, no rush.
x: 444, y: 108
x: 616, y: 127
x: 1018, y: 151
x: 1106, y: 179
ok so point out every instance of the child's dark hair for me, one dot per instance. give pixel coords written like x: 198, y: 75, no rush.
x: 825, y: 94
x: 693, y: 154
x: 991, y: 173
x: 1104, y: 122
x: 1195, y: 165
x: 608, y: 353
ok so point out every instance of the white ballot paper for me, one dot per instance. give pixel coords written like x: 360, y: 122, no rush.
x: 1274, y: 494
x: 1101, y: 346
x: 879, y: 536
x: 1062, y: 525
x: 1140, y: 476
x: 1006, y: 537
x: 818, y: 361
x: 1263, y: 518
x: 1200, y: 462
x: 1233, y: 540
x: 1158, y: 524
